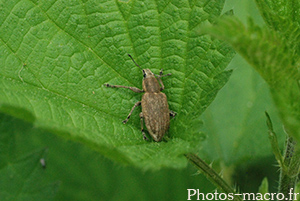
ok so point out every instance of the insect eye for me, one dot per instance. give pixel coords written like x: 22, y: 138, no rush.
x: 144, y: 74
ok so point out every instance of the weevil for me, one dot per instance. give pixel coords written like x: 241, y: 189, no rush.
x: 155, y: 108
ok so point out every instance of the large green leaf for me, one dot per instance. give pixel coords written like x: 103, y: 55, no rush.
x: 22, y: 180
x: 22, y: 176
x: 56, y: 56
x: 84, y: 174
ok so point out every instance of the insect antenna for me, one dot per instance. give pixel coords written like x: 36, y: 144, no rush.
x: 134, y: 61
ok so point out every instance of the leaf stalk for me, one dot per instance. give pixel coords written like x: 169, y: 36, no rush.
x: 211, y: 175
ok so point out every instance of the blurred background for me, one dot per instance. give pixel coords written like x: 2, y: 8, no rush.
x: 236, y: 145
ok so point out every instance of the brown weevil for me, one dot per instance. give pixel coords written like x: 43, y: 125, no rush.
x: 155, y: 108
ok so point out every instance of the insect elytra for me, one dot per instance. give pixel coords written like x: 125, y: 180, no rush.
x: 155, y: 109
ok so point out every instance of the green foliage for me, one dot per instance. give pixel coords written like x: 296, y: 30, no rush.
x: 22, y: 176
x: 273, y: 51
x: 84, y: 174
x: 56, y: 56
x: 21, y: 180
x: 264, y: 188
x: 235, y: 121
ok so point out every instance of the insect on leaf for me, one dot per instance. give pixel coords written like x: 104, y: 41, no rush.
x: 56, y: 56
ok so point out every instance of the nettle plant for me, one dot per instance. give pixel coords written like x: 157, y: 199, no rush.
x: 274, y: 52
x: 56, y: 56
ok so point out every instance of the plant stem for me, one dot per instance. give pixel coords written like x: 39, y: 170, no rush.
x: 212, y: 175
x: 274, y: 143
x: 289, y: 177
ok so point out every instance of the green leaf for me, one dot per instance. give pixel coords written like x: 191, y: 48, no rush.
x: 22, y: 176
x: 282, y: 16
x: 22, y: 179
x: 274, y: 56
x: 56, y: 56
x: 264, y: 189
x: 84, y: 174
x: 274, y: 143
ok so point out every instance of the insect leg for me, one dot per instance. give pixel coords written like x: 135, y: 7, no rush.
x: 142, y: 126
x: 135, y: 105
x: 162, y: 86
x: 160, y: 81
x: 137, y: 90
x: 161, y: 73
x: 172, y: 113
